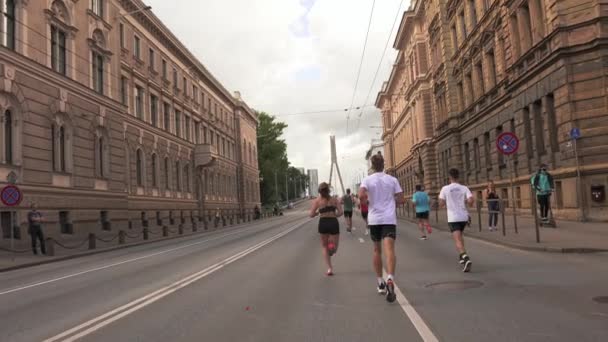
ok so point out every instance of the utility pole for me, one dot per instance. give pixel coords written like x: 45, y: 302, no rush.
x: 276, y: 187
x: 287, y: 187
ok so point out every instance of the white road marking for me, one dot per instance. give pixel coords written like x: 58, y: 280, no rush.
x: 423, y: 330
x: 361, y: 240
x: 95, y: 324
x: 119, y: 263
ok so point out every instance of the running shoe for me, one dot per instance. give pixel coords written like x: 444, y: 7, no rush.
x: 329, y: 273
x: 381, y: 288
x: 467, y: 266
x: 423, y: 237
x: 390, y: 291
x: 367, y: 232
x: 461, y: 260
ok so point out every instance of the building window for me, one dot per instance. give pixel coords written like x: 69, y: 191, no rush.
x: 175, y: 79
x: 473, y: 11
x: 487, y: 149
x: 501, y: 157
x: 167, y: 116
x: 154, y: 110
x: 152, y: 59
x: 58, y: 50
x: 476, y: 154
x: 470, y: 96
x: 539, y: 128
x: 491, y: 69
x: 197, y: 132
x: 463, y: 25
x: 137, y: 47
x: 8, y: 137
x: 480, y: 75
x: 98, y: 80
x: 121, y: 29
x: 97, y: 7
x: 528, y: 132
x: 101, y: 156
x: 195, y: 93
x: 186, y: 178
x: 7, y: 34
x: 187, y: 127
x: 177, y: 177
x: 515, y: 40
x: 139, y: 168
x: 461, y: 98
x: 551, y: 122
x: 204, y: 135
x: 124, y: 86
x: 467, y: 157
x: 154, y: 171
x: 167, y: 183
x: 185, y: 86
x: 178, y: 123
x: 525, y: 21
x: 139, y: 102
x: 455, y: 37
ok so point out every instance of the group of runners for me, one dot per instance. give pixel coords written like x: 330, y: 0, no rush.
x: 378, y: 198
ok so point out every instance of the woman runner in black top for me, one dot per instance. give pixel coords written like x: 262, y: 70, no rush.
x: 329, y: 210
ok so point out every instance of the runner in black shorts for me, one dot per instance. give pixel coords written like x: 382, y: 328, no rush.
x: 421, y: 202
x: 329, y: 228
x: 456, y: 197
x: 349, y: 203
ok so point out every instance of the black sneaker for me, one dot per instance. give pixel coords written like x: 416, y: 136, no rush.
x: 467, y: 266
x: 381, y: 288
x: 390, y: 291
x: 461, y: 259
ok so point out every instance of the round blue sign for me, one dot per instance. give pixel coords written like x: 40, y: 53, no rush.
x: 11, y: 196
x: 507, y: 143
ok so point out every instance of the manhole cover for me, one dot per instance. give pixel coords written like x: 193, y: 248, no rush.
x: 456, y: 285
x: 601, y: 299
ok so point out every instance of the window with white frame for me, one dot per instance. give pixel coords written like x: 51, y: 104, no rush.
x: 154, y: 110
x: 98, y: 72
x: 58, y: 50
x: 139, y: 102
x: 137, y: 47
x: 97, y: 7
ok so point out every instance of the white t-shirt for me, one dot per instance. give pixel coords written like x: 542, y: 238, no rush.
x: 455, y: 196
x: 381, y: 189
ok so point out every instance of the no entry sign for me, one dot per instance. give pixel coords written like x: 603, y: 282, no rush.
x: 11, y: 196
x: 507, y: 143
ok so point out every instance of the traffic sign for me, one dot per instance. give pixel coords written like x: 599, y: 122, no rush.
x: 507, y: 143
x: 575, y: 133
x: 11, y: 196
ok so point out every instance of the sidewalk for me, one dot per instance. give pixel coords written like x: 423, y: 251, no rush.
x: 79, y: 244
x: 568, y: 237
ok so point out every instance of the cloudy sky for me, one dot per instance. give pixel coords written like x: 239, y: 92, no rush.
x: 289, y: 57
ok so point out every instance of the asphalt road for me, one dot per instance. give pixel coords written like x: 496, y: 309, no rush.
x: 267, y: 283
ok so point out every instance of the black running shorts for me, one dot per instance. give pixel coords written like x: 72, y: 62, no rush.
x: 348, y: 214
x: 329, y: 225
x: 457, y: 226
x: 381, y: 232
x: 422, y: 215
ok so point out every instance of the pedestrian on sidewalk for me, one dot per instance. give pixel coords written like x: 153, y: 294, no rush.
x: 421, y: 202
x: 329, y: 209
x: 34, y: 220
x: 542, y: 183
x: 383, y: 193
x: 456, y: 197
x: 493, y: 202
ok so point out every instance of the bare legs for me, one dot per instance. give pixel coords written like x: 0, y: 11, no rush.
x: 389, y: 249
x: 459, y: 241
x: 326, y: 239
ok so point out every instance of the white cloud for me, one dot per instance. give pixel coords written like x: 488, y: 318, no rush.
x: 251, y: 46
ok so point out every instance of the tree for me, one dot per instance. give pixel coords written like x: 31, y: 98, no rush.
x: 272, y: 156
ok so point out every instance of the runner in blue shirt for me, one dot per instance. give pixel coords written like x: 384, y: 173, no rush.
x: 422, y: 203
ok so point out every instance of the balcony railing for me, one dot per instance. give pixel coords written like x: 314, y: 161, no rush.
x: 204, y: 154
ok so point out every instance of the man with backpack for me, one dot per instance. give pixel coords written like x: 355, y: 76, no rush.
x: 542, y: 183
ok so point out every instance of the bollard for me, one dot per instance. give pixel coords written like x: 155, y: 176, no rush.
x: 165, y: 231
x: 122, y: 237
x: 479, y: 214
x: 50, y: 247
x: 180, y: 229
x: 145, y: 223
x: 146, y: 234
x: 92, y: 241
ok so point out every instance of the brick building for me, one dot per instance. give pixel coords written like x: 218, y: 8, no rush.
x: 103, y: 111
x: 469, y: 70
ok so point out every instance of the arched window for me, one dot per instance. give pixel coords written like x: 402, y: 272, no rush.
x: 140, y: 168
x: 7, y: 34
x: 154, y: 171
x: 8, y: 137
x: 167, y: 183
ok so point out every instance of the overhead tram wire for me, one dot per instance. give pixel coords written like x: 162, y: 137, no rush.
x: 388, y: 40
x: 324, y: 111
x: 371, y: 16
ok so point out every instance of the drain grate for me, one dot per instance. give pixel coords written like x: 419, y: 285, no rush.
x: 601, y: 299
x: 455, y: 285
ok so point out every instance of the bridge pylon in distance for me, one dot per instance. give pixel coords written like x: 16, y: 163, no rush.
x: 334, y: 164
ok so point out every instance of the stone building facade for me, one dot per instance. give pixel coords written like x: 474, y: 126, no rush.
x: 103, y: 111
x: 469, y: 70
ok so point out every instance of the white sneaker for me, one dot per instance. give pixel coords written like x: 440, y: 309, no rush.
x: 367, y: 232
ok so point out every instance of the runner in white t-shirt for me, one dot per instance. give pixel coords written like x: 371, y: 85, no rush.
x: 382, y: 192
x: 456, y: 197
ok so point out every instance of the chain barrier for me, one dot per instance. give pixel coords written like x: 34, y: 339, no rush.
x: 85, y: 241
x: 107, y: 241
x: 18, y: 251
x: 133, y: 236
x: 150, y: 231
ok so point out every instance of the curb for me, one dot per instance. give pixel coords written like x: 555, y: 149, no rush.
x: 110, y: 249
x: 562, y: 250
